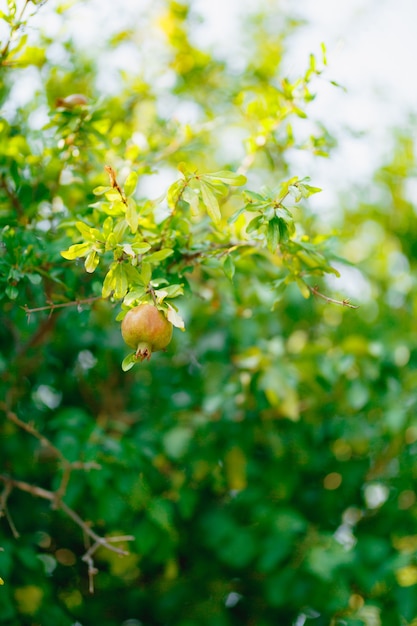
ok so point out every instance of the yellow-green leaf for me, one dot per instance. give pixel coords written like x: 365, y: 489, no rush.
x: 159, y: 255
x: 132, y: 215
x: 129, y: 361
x: 121, y: 282
x: 174, y: 193
x: 108, y: 283
x: 146, y: 273
x: 130, y: 184
x: 91, y: 234
x: 305, y: 291
x: 211, y: 203
x: 230, y: 178
x: 76, y: 251
x: 91, y: 261
x: 100, y: 190
x: 229, y: 267
x: 140, y: 247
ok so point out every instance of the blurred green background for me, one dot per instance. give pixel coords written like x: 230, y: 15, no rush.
x: 266, y: 463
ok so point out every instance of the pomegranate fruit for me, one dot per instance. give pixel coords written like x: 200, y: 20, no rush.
x: 146, y: 329
x: 72, y: 101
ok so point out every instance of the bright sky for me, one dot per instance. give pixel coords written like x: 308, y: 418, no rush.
x: 372, y: 46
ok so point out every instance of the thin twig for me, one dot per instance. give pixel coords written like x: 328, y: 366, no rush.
x: 29, y: 428
x: 14, y: 200
x: 52, y: 306
x: 91, y: 571
x: 88, y: 557
x: 17, y: 25
x: 113, y: 182
x: 14, y: 28
x: 67, y: 466
x: 5, y: 511
x: 345, y: 302
x: 101, y: 541
x: 32, y: 431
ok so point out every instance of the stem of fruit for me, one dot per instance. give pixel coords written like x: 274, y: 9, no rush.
x: 143, y: 351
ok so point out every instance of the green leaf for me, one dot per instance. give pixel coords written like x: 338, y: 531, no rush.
x: 302, y: 286
x: 91, y: 261
x: 311, y: 258
x: 311, y: 189
x: 230, y: 178
x: 129, y: 361
x: 168, y: 291
x: 173, y: 291
x: 130, y: 183
x: 174, y: 193
x: 76, y: 251
x: 31, y: 55
x: 134, y: 296
x: 210, y: 202
x: 140, y: 247
x: 132, y: 215
x: 109, y: 283
x: 11, y: 5
x: 160, y: 255
x: 100, y: 190
x: 12, y: 292
x: 254, y: 224
x: 121, y: 282
x: 116, y: 281
x: 252, y: 196
x: 113, y: 195
x: 108, y: 227
x: 115, y: 207
x: 273, y: 234
x: 146, y: 273
x: 324, y: 53
x: 183, y: 169
x: 191, y: 196
x: 35, y: 279
x: 285, y: 229
x: 120, y: 230
x: 299, y: 112
x: 236, y: 215
x: 229, y: 267
x: 91, y: 234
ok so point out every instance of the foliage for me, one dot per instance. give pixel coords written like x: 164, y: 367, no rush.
x: 262, y: 470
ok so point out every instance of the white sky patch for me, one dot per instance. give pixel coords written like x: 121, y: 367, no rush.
x: 372, y: 49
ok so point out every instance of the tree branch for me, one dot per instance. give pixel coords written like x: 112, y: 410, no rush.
x: 67, y: 466
x: 14, y: 200
x: 56, y: 497
x: 314, y: 290
x: 5, y: 511
x: 39, y: 492
x: 113, y: 183
x: 32, y: 431
x: 51, y: 307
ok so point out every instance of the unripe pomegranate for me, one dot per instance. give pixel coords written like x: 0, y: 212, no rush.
x: 72, y: 101
x: 146, y: 329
